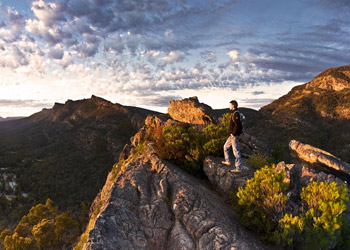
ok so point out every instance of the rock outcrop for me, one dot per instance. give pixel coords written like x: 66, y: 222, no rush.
x: 152, y: 204
x: 191, y: 111
x: 221, y: 177
x: 333, y: 79
x: 313, y: 164
x: 313, y: 160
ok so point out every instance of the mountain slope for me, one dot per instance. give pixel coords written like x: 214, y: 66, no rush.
x: 65, y: 153
x: 317, y: 112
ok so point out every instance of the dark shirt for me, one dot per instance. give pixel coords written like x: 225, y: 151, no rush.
x: 235, y: 127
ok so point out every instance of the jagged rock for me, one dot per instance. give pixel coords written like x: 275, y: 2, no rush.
x: 155, y: 121
x: 190, y: 110
x: 319, y: 160
x: 138, y: 137
x: 221, y: 177
x: 309, y: 175
x: 292, y: 178
x: 125, y: 152
x: 153, y: 204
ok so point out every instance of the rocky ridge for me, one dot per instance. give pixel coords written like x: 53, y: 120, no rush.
x: 152, y: 204
x: 180, y: 213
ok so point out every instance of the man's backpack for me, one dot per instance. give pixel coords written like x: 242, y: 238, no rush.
x: 243, y: 122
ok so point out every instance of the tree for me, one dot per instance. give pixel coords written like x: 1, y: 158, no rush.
x: 42, y: 228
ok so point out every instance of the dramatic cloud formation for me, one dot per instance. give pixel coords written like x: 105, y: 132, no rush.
x: 145, y: 52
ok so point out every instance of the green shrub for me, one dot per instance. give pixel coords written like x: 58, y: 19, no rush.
x: 225, y: 120
x: 258, y: 161
x: 215, y: 137
x: 183, y: 145
x: 322, y: 224
x: 261, y: 203
x: 187, y: 146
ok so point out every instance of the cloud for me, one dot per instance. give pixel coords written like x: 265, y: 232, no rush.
x: 258, y: 92
x: 57, y: 52
x: 209, y: 56
x: 173, y: 57
x: 303, y: 54
x: 52, y: 35
x: 234, y: 55
x: 10, y: 28
x: 13, y: 57
x: 48, y: 13
x: 158, y: 100
x: 23, y: 103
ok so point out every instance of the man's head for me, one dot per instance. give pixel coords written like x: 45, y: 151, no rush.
x: 233, y: 105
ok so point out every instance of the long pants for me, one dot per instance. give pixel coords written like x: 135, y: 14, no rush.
x: 233, y: 141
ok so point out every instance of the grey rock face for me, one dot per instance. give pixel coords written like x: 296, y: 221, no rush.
x: 152, y: 204
x: 221, y: 177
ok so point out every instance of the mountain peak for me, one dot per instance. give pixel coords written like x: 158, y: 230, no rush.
x: 332, y: 79
x: 94, y: 107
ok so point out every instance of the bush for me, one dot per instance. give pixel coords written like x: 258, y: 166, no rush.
x: 187, y: 147
x: 215, y: 137
x: 182, y: 145
x: 258, y: 161
x: 261, y: 203
x: 225, y: 120
x: 322, y: 225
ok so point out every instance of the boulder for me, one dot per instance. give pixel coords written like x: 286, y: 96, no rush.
x: 319, y: 160
x: 221, y: 177
x: 152, y: 204
x: 191, y: 111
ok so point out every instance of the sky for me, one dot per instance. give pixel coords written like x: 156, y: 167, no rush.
x: 146, y: 52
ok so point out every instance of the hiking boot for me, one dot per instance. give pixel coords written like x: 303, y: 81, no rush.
x: 236, y: 170
x: 227, y: 163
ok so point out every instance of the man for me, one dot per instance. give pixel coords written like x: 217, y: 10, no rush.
x: 234, y: 130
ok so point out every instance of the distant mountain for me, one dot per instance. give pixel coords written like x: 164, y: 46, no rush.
x: 327, y: 96
x: 9, y: 118
x: 317, y: 112
x: 64, y: 153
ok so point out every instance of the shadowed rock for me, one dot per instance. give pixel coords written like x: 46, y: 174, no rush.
x: 153, y: 204
x: 249, y: 145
